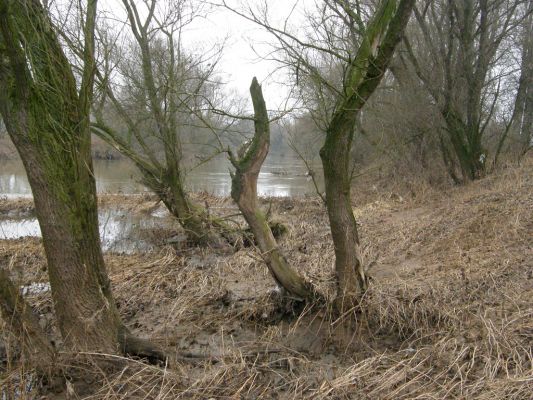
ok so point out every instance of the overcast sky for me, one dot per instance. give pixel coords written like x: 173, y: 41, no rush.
x: 239, y: 62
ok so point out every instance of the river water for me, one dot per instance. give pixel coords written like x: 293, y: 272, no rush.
x: 279, y: 177
x: 121, y: 232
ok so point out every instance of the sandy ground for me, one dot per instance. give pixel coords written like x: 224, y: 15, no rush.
x: 449, y: 314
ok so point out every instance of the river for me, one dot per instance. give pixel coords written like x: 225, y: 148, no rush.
x: 121, y: 231
x: 279, y: 177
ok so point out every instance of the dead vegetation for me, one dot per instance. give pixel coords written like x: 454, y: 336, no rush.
x: 449, y: 314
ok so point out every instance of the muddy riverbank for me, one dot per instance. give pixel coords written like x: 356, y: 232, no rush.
x: 448, y: 314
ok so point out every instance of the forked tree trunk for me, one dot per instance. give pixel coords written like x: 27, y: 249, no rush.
x: 363, y: 76
x: 467, y: 146
x: 48, y: 122
x: 168, y: 186
x: 244, y: 192
x: 24, y: 325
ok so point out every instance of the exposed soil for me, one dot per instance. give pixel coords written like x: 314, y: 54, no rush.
x: 449, y: 313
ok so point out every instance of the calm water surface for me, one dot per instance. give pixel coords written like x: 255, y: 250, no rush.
x: 285, y: 176
x: 121, y: 231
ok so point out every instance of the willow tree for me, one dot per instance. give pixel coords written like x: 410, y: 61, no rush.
x: 337, y: 61
x: 155, y: 89
x: 522, y: 123
x: 47, y: 118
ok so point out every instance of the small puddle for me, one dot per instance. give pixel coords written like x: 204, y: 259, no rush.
x: 120, y: 231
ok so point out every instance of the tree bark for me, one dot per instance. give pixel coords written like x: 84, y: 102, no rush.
x: 244, y: 192
x: 48, y: 121
x: 522, y: 124
x: 363, y: 76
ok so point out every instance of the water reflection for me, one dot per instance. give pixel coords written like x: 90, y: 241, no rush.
x: 120, y: 231
x: 279, y: 177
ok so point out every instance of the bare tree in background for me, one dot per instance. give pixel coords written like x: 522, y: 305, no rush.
x: 522, y: 123
x: 457, y: 52
x: 47, y: 118
x: 338, y: 65
x: 158, y: 91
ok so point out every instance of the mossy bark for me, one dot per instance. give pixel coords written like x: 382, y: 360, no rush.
x: 466, y: 142
x: 364, y: 74
x: 244, y: 192
x: 48, y: 121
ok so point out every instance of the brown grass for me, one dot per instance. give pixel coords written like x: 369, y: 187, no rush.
x: 449, y: 314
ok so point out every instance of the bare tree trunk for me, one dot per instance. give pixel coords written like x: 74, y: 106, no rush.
x: 335, y: 154
x: 468, y: 152
x: 449, y: 162
x: 48, y: 121
x: 23, y: 323
x: 523, y: 112
x: 363, y: 76
x: 244, y: 192
x: 191, y: 217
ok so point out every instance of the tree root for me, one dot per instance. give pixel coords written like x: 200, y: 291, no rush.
x: 133, y: 346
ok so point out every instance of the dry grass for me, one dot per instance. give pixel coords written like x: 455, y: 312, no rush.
x: 449, y: 314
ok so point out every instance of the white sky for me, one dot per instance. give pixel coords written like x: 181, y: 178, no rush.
x: 239, y: 63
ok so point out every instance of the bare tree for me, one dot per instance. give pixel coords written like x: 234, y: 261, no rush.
x: 522, y: 123
x: 156, y: 89
x: 457, y: 52
x: 47, y: 118
x: 338, y: 65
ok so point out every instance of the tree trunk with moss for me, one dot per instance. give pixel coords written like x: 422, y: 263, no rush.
x: 244, y: 192
x: 169, y: 85
x: 192, y: 217
x: 48, y: 121
x: 364, y: 74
